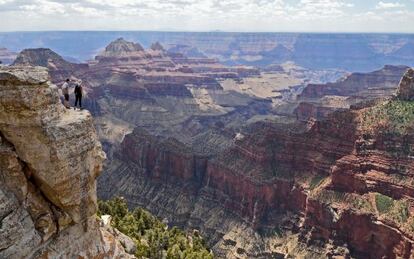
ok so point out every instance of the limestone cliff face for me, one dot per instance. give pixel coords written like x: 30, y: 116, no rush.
x: 49, y: 160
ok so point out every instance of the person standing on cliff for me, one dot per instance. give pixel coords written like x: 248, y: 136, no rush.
x: 78, y: 96
x: 65, y: 92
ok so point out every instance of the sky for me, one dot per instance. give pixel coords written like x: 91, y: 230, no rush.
x: 209, y: 15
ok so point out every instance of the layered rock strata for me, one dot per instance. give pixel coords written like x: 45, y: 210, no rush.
x: 338, y: 187
x: 49, y: 160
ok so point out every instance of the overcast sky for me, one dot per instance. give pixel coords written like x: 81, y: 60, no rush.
x: 209, y: 15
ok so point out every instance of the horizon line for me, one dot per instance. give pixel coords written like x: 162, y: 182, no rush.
x: 213, y: 31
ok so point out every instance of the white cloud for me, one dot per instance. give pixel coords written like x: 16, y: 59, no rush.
x: 319, y: 9
x: 202, y: 15
x: 43, y: 7
x: 388, y: 5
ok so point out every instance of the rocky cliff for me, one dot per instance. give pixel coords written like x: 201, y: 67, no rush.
x: 49, y: 160
x: 406, y: 89
x: 319, y: 189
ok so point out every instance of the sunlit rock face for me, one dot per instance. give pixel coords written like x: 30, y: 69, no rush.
x: 49, y: 160
x: 406, y: 89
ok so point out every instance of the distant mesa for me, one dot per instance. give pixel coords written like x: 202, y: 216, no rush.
x: 121, y: 46
x: 58, y: 67
x: 157, y: 46
x: 39, y: 57
x: 188, y: 51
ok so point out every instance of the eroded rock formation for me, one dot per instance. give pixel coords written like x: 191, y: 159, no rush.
x: 49, y: 160
x: 320, y: 189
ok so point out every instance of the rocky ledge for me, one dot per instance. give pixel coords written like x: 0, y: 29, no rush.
x: 49, y: 160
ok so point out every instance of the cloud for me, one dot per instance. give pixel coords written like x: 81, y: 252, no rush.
x: 317, y: 9
x: 201, y: 15
x: 388, y: 5
x: 43, y: 7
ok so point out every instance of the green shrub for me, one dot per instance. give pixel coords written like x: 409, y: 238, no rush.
x: 362, y: 204
x: 383, y: 203
x: 152, y: 237
x: 399, y: 213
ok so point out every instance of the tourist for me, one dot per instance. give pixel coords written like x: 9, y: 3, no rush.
x: 78, y: 96
x: 65, y: 92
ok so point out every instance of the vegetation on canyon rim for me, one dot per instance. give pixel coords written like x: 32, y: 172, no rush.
x: 394, y: 116
x: 153, y: 238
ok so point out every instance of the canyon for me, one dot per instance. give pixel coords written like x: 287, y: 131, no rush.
x: 265, y: 162
x: 349, y: 51
x: 277, y: 186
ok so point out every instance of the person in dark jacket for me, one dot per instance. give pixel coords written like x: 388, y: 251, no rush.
x: 78, y: 96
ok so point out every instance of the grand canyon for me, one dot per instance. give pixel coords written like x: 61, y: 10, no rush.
x: 270, y: 145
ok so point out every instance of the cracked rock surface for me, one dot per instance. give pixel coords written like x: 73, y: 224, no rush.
x: 49, y: 160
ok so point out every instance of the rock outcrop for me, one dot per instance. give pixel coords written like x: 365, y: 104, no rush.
x: 122, y: 47
x: 406, y: 89
x: 49, y: 160
x: 157, y: 47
